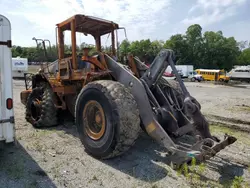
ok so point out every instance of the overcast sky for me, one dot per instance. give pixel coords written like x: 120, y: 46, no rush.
x: 154, y: 19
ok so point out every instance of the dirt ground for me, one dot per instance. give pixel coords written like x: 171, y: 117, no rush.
x: 55, y: 157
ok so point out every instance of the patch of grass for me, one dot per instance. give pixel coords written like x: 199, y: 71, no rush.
x: 240, y: 135
x: 245, y: 108
x: 44, y: 132
x: 194, y: 174
x: 239, y: 108
x: 238, y: 182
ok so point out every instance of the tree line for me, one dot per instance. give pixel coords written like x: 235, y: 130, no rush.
x: 208, y: 50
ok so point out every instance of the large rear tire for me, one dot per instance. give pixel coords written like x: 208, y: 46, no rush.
x: 40, y: 108
x: 174, y: 84
x: 107, y: 118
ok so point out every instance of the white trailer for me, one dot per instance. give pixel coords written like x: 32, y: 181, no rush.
x: 240, y: 73
x: 19, y: 67
x: 6, y: 85
x: 183, y: 70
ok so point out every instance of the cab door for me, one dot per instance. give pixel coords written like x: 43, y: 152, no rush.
x: 6, y: 86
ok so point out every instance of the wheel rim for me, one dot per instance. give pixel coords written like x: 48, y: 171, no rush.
x: 35, y: 109
x: 94, y: 120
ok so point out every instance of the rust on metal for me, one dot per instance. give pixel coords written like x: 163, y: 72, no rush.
x: 73, y: 41
x: 60, y: 43
x: 89, y: 24
x: 70, y: 89
x: 131, y: 64
x: 102, y: 60
x: 94, y: 120
x: 98, y: 43
x: 94, y: 61
x: 24, y: 96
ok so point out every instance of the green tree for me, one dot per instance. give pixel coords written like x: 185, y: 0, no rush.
x: 180, y: 46
x: 244, y: 57
x: 203, y: 50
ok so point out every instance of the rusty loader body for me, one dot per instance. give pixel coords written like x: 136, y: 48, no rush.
x: 111, y: 102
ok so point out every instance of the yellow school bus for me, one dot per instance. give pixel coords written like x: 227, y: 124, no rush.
x: 213, y: 74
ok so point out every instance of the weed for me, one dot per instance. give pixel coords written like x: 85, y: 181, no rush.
x: 196, y: 172
x: 193, y: 163
x: 201, y: 168
x: 192, y: 172
x: 237, y: 182
x: 94, y: 178
x: 183, y: 169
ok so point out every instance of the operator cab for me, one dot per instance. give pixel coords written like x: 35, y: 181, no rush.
x: 74, y: 66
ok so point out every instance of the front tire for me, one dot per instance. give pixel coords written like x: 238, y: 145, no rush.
x: 107, y: 119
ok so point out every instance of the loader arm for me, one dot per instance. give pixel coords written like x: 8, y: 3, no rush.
x: 156, y: 111
x: 124, y: 76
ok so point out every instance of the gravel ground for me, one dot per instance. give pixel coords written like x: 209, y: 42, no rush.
x: 229, y: 105
x: 55, y: 157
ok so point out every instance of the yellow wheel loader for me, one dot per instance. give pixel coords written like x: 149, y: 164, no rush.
x: 112, y: 102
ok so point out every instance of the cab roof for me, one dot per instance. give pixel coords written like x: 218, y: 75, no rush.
x: 89, y: 25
